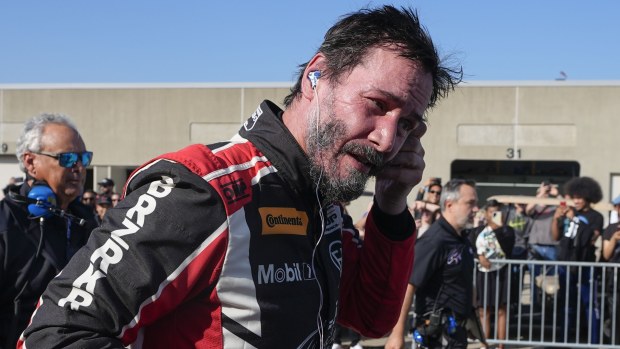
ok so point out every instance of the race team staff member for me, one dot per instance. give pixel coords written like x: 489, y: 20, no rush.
x: 53, y: 156
x: 442, y: 277
x: 243, y: 243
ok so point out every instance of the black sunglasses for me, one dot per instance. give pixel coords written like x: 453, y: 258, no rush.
x: 435, y: 192
x: 69, y: 159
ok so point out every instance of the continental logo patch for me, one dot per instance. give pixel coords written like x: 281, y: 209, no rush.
x: 283, y: 220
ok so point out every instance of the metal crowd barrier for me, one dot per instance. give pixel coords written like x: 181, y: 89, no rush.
x: 555, y: 304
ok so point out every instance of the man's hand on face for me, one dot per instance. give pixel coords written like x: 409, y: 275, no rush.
x: 399, y: 175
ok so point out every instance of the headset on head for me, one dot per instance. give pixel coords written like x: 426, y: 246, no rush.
x: 44, y: 200
x: 42, y: 203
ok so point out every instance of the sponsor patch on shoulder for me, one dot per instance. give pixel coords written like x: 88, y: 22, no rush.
x: 283, y: 221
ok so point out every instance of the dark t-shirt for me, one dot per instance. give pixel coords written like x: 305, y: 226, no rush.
x: 595, y: 218
x: 576, y: 237
x: 443, y: 270
x: 609, y: 231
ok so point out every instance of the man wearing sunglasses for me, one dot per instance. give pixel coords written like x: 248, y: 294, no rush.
x: 33, y: 250
x: 89, y: 198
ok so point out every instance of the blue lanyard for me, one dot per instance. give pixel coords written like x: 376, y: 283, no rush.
x: 68, y: 251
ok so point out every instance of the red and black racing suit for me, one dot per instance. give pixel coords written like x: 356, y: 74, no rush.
x: 214, y: 247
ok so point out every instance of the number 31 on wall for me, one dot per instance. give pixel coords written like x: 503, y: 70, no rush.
x: 512, y: 153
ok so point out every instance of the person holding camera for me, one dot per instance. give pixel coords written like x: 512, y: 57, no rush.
x: 429, y: 192
x: 425, y: 209
x: 541, y: 245
x: 442, y: 277
x: 493, y: 241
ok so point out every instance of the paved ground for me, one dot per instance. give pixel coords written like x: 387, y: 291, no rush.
x: 524, y: 303
x: 379, y: 343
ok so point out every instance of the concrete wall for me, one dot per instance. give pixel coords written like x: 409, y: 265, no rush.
x: 540, y: 122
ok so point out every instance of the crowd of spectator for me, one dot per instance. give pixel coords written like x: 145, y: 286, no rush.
x: 567, y: 229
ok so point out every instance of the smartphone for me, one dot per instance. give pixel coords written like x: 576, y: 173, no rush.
x: 417, y: 214
x: 497, y: 218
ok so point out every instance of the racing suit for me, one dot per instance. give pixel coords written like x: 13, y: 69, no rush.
x: 226, y: 246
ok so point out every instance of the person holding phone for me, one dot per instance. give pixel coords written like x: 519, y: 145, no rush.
x: 577, y: 229
x: 493, y: 242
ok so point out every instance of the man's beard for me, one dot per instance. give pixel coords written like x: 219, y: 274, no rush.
x: 332, y: 187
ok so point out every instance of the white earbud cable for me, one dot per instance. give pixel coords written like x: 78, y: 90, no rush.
x: 319, y: 320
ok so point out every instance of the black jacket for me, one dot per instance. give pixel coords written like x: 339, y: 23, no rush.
x: 443, y: 271
x: 19, y: 240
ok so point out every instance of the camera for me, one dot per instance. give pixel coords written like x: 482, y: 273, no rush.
x: 417, y: 214
x: 434, y: 324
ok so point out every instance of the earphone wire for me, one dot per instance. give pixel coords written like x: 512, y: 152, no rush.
x: 319, y: 320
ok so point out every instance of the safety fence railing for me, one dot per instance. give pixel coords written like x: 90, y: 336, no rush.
x: 551, y: 303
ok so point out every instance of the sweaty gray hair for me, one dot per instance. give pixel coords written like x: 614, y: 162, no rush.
x: 452, y: 191
x: 30, y: 138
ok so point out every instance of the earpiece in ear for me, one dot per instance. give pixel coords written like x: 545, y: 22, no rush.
x: 314, y: 78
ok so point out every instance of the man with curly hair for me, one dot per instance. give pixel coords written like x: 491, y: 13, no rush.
x: 577, y: 228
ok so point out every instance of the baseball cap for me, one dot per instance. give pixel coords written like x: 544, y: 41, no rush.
x: 106, y: 182
x: 616, y: 201
x: 104, y: 200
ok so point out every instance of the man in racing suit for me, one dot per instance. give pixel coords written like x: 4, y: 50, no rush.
x: 243, y: 243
